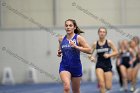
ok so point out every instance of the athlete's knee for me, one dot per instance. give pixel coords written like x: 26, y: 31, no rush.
x: 125, y: 77
x: 108, y: 87
x: 66, y: 87
x: 129, y: 78
x: 101, y: 84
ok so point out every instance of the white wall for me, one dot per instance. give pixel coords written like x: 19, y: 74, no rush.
x: 132, y: 14
x: 39, y: 10
x: 113, y: 11
x: 34, y: 45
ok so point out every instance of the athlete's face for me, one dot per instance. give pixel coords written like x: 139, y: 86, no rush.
x: 69, y: 27
x: 102, y: 33
x: 132, y: 43
x: 121, y: 45
x: 125, y: 44
x: 136, y: 39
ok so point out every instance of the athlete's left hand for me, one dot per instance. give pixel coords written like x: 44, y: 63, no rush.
x: 91, y: 58
x: 72, y: 44
x: 106, y: 55
x: 131, y: 62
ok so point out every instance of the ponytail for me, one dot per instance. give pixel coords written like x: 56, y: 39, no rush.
x: 78, y: 31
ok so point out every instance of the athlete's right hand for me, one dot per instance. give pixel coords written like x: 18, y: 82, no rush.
x: 72, y: 44
x: 106, y: 55
x: 118, y: 62
x: 131, y: 62
x: 91, y: 58
x: 59, y: 53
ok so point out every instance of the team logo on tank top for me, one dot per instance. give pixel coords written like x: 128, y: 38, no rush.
x: 68, y: 44
x: 102, y: 50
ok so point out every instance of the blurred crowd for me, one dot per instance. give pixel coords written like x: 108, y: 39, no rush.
x: 128, y: 63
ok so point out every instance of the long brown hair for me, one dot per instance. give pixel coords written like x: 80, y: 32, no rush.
x: 77, y: 30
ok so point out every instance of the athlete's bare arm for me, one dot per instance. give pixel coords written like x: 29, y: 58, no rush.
x: 114, y: 49
x: 83, y: 45
x: 59, y: 53
x: 91, y: 57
